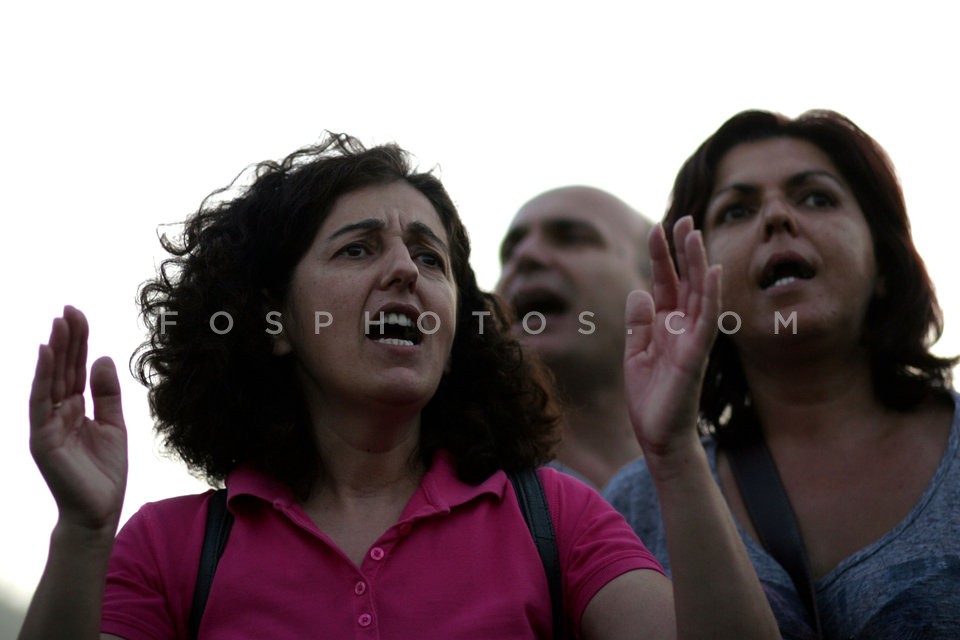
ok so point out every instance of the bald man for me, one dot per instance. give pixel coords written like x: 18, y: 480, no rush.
x: 569, y: 259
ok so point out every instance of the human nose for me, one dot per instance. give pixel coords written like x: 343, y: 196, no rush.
x: 529, y: 254
x: 778, y: 217
x: 401, y: 270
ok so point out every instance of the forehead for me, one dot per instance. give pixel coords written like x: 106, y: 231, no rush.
x: 595, y: 209
x: 771, y: 161
x: 397, y: 204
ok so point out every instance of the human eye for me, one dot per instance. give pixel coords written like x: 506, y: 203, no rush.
x: 575, y: 234
x: 431, y: 258
x: 354, y: 250
x: 818, y: 199
x: 731, y: 212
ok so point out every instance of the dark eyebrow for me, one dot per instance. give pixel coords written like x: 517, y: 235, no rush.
x: 792, y: 182
x: 417, y: 228
x: 374, y: 224
x: 804, y: 176
x: 563, y: 225
x: 554, y: 228
x: 363, y: 225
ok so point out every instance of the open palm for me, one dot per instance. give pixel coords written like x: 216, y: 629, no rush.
x: 83, y: 460
x: 669, y: 338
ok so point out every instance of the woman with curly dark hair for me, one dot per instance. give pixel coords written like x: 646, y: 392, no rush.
x: 318, y: 342
x: 823, y: 382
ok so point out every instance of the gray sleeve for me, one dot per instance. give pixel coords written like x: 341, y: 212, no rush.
x: 631, y: 492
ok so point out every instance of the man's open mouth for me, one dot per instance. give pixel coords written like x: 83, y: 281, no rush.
x: 541, y: 301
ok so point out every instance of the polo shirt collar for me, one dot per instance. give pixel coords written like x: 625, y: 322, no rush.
x: 440, y: 489
x: 246, y: 480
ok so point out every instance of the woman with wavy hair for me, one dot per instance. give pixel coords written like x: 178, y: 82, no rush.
x: 822, y: 378
x: 318, y: 342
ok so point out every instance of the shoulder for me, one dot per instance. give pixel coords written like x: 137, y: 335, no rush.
x: 559, y: 466
x: 161, y: 535
x: 153, y: 567
x: 580, y: 511
x: 596, y: 545
x: 571, y: 499
x: 169, y: 518
x: 588, y: 524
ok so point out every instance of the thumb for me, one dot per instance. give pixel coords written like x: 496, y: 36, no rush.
x: 640, y: 314
x: 105, y: 389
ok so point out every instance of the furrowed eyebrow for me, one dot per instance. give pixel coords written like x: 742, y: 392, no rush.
x: 739, y: 187
x: 562, y: 225
x: 369, y: 224
x: 792, y: 182
x: 805, y: 176
x: 420, y: 229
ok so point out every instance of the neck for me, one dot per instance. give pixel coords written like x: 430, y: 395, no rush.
x: 369, y: 471
x: 366, y: 453
x: 598, y: 438
x: 811, y: 399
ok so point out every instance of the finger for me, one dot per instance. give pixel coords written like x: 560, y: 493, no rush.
x: 59, y: 336
x: 681, y: 231
x: 42, y: 387
x: 640, y: 316
x: 75, y: 373
x: 105, y: 389
x: 664, y: 277
x: 706, y: 327
x: 696, y: 258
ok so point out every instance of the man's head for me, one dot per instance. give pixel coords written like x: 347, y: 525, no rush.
x: 568, y: 261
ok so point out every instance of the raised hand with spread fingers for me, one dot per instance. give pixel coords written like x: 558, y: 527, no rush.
x: 669, y: 338
x: 84, y: 462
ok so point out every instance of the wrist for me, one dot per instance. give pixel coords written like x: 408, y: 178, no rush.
x: 67, y: 534
x: 676, y: 460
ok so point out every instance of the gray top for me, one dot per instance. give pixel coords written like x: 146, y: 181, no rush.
x: 904, y: 586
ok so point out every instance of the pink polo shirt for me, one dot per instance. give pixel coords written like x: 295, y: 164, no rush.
x: 460, y: 563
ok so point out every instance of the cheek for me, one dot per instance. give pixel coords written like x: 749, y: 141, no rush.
x: 320, y: 301
x: 734, y: 265
x: 718, y: 251
x: 450, y: 322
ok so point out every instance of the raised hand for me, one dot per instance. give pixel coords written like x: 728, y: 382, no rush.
x: 669, y: 338
x: 83, y: 460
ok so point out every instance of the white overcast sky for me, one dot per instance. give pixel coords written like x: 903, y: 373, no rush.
x: 117, y: 117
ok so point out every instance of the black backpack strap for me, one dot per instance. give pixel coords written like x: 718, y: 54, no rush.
x: 772, y: 515
x: 219, y: 521
x: 536, y: 513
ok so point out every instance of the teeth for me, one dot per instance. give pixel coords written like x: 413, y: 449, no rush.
x: 783, y: 281
x: 400, y: 319
x: 396, y: 342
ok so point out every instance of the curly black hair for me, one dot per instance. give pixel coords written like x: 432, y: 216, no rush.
x: 900, y: 326
x: 221, y: 398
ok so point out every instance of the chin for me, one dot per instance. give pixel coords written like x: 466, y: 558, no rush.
x: 406, y: 393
